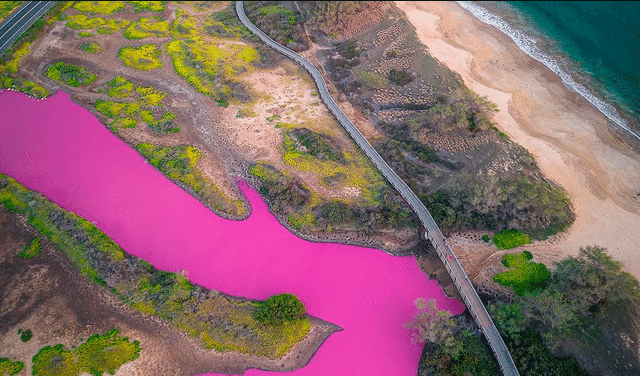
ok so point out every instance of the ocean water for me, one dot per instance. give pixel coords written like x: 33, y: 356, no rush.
x: 594, y: 46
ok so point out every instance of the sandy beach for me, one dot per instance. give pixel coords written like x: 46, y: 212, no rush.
x: 570, y: 140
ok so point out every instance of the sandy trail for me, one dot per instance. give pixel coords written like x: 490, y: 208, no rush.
x: 570, y: 140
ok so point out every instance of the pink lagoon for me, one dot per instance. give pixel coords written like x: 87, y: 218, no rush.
x: 61, y: 150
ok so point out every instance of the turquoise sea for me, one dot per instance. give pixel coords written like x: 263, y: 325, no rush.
x: 594, y: 46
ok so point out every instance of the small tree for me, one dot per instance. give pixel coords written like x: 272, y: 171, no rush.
x: 434, y: 326
x: 280, y: 308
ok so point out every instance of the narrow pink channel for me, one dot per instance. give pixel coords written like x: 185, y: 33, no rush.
x: 61, y: 150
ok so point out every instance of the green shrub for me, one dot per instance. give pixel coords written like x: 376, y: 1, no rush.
x: 151, y: 6
x: 7, y: 7
x: 31, y: 250
x: 277, y: 9
x: 100, y: 7
x: 113, y: 25
x: 148, y: 96
x: 85, y: 34
x: 525, y: 275
x: 120, y: 87
x: 70, y: 74
x: 7, y: 366
x: 147, y: 27
x: 146, y: 57
x: 507, y: 239
x: 100, y: 354
x: 106, y: 353
x: 486, y: 238
x: 399, y: 77
x: 91, y: 47
x: 80, y: 21
x: 279, y: 309
x: 473, y: 358
x: 25, y: 335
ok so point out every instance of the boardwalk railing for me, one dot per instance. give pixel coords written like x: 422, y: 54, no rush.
x: 433, y: 233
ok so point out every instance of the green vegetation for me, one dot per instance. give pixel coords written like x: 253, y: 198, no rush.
x: 70, y: 74
x: 6, y: 7
x: 279, y: 309
x: 128, y: 114
x: 112, y: 25
x: 25, y: 335
x: 220, y: 322
x: 10, y: 60
x: 147, y: 27
x: 80, y: 21
x: 9, y: 367
x: 179, y: 165
x: 473, y: 358
x: 315, y: 144
x: 119, y: 87
x: 100, y: 7
x: 151, y: 6
x: 525, y: 275
x: 100, y: 354
x: 373, y: 79
x: 399, y: 77
x: 377, y: 208
x: 278, y: 22
x: 212, y: 70
x: 146, y: 57
x: 589, y: 309
x: 32, y: 250
x: 277, y: 9
x: 85, y: 34
x: 148, y: 96
x: 486, y: 238
x: 91, y: 47
x: 507, y: 239
x: 448, y: 350
x: 432, y: 325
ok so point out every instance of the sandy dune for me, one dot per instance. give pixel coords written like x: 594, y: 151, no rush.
x: 571, y: 141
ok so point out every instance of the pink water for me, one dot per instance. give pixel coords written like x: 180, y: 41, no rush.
x: 61, y: 150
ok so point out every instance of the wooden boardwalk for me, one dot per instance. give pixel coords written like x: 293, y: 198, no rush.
x: 433, y: 233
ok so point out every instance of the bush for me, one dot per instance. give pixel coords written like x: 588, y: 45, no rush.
x: 486, y: 238
x: 80, y: 21
x: 112, y: 25
x: 100, y: 354
x: 70, y: 74
x: 31, y: 250
x: 91, y: 47
x: 6, y: 365
x: 279, y: 309
x: 507, y: 239
x: 147, y: 27
x: 120, y: 87
x: 146, y: 57
x: 399, y: 77
x: 525, y: 275
x: 100, y: 7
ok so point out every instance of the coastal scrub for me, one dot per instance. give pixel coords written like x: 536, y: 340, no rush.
x: 146, y: 57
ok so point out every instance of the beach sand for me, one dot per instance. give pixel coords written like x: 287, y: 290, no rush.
x: 570, y: 140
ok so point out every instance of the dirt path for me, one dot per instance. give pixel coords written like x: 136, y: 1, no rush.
x: 571, y: 141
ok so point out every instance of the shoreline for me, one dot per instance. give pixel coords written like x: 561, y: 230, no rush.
x: 572, y: 142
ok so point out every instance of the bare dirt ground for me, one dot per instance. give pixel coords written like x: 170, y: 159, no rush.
x: 47, y: 295
x: 571, y: 141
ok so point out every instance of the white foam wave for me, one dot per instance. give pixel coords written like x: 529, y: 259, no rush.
x: 528, y: 45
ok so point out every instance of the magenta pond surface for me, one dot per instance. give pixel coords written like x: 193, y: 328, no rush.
x: 61, y: 150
